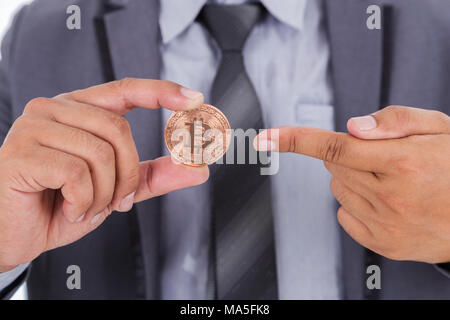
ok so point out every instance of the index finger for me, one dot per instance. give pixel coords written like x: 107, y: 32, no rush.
x: 124, y: 95
x: 334, y: 147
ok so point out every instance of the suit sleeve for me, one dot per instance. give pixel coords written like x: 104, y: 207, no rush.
x: 6, y: 62
x: 9, y: 281
x: 5, y: 98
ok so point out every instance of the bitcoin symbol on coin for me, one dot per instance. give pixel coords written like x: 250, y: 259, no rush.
x: 197, y: 137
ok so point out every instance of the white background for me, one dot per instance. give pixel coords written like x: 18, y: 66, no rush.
x: 7, y: 10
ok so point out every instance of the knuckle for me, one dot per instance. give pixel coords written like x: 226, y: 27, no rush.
x: 148, y: 178
x: 400, y: 114
x: 442, y: 118
x: 121, y: 87
x: 122, y: 84
x: 36, y: 104
x: 168, y: 83
x: 406, y: 164
x: 77, y: 170
x: 26, y: 130
x: 23, y: 122
x: 104, y: 152
x: 120, y: 125
x: 333, y: 149
x: 294, y: 145
x: 15, y: 147
x: 132, y: 177
x: 85, y: 199
x: 339, y: 193
x: 391, y: 109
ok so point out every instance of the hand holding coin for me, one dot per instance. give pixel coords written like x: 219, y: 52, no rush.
x: 69, y: 161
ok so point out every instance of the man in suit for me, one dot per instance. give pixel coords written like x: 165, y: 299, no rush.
x: 302, y: 64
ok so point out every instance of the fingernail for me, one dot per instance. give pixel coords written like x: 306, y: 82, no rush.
x: 365, y: 123
x: 265, y: 145
x: 81, y: 218
x: 195, y: 97
x: 127, y: 203
x: 96, y: 218
x: 190, y: 94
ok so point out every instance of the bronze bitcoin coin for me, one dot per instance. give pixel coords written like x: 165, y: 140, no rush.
x: 199, y: 136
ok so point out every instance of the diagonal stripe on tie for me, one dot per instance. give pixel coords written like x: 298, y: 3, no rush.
x: 242, y: 222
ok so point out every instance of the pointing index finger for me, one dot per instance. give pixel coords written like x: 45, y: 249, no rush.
x: 124, y: 95
x: 339, y: 148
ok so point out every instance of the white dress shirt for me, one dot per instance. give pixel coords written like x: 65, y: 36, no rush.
x: 287, y: 59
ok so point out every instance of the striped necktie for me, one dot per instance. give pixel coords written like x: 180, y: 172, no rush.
x: 243, y: 250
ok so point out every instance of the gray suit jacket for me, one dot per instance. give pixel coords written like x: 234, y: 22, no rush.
x: 406, y: 62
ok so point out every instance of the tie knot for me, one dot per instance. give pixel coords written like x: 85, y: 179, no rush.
x: 230, y: 25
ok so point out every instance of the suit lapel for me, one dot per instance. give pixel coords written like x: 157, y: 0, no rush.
x: 357, y: 73
x: 356, y: 59
x: 132, y: 34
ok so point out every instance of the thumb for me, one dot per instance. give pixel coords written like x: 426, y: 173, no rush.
x: 163, y: 175
x: 398, y: 122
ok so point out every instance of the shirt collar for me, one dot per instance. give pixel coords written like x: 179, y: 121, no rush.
x: 290, y: 12
x: 175, y: 16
